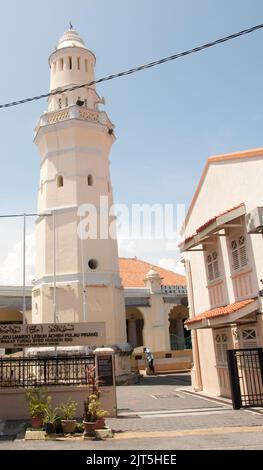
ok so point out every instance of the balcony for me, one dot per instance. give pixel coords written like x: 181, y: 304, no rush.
x: 74, y: 112
x: 216, y: 294
x: 242, y: 284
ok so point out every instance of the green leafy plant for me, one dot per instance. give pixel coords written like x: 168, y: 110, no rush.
x: 51, y: 415
x: 68, y: 409
x: 79, y: 428
x: 38, y: 401
x: 92, y: 410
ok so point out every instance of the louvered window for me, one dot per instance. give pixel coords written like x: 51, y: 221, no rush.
x: 221, y: 349
x: 212, y: 266
x: 249, y: 338
x: 239, y: 253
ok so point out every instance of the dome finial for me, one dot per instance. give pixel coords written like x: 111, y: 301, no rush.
x: 70, y: 25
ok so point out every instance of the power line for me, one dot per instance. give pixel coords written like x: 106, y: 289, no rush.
x: 136, y: 69
x: 5, y: 216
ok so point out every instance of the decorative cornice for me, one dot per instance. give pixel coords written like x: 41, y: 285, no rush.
x: 98, y: 278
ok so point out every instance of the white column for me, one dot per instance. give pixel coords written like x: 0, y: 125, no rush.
x: 196, y: 370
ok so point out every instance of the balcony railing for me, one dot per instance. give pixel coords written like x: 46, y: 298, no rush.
x: 243, y: 285
x: 179, y: 344
x: 74, y: 112
x: 216, y: 294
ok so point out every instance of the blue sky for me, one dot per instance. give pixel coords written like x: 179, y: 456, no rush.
x: 168, y: 119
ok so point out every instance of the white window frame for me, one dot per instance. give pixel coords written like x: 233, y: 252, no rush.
x: 248, y: 337
x: 221, y: 342
x: 212, y: 265
x: 238, y: 249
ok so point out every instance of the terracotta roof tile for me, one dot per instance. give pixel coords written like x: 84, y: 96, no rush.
x: 133, y: 272
x: 221, y: 311
x: 210, y: 221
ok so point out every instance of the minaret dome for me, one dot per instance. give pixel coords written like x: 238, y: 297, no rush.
x: 71, y: 63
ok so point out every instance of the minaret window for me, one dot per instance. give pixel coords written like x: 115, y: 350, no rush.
x: 60, y: 182
x: 93, y: 264
x: 61, y: 64
x: 60, y: 103
x: 86, y: 65
x: 90, y: 180
x: 66, y: 101
x: 70, y: 63
x: 78, y: 63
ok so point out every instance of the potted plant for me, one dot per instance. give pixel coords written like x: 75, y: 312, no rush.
x: 51, y: 418
x: 38, y: 402
x: 93, y: 414
x: 68, y: 420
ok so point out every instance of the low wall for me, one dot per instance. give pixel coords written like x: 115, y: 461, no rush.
x: 165, y: 361
x: 13, y: 404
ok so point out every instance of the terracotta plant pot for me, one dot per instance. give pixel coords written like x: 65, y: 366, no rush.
x: 100, y: 423
x: 68, y: 425
x: 89, y: 427
x: 37, y: 422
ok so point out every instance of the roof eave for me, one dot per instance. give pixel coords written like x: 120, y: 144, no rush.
x: 213, y: 228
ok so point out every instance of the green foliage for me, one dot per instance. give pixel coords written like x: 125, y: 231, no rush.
x: 79, y: 428
x: 38, y: 401
x: 92, y: 410
x: 51, y: 415
x: 68, y: 409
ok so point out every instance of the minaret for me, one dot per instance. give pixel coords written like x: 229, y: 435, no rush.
x: 76, y: 280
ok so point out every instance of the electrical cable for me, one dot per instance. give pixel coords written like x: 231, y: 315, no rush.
x: 136, y: 69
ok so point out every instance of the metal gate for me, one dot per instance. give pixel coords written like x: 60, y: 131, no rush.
x: 246, y: 377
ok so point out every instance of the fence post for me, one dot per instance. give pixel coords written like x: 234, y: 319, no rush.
x: 105, y: 372
x: 260, y: 357
x: 234, y: 379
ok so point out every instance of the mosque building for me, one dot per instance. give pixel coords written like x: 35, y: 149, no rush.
x: 80, y: 279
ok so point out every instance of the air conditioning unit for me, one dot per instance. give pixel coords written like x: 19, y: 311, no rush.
x: 254, y: 220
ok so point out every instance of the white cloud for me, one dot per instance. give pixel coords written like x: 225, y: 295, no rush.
x: 172, y: 264
x: 11, y: 270
x: 153, y: 251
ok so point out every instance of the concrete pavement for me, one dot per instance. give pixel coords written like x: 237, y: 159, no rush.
x: 162, y: 413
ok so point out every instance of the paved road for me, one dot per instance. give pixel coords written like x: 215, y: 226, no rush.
x: 217, y: 439
x: 162, y: 413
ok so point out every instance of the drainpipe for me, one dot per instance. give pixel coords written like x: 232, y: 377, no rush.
x: 196, y: 370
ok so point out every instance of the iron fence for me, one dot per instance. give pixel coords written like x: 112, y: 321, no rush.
x: 246, y: 377
x: 45, y: 371
x: 178, y: 344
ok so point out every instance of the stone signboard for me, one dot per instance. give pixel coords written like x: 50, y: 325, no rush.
x: 105, y: 370
x: 52, y: 334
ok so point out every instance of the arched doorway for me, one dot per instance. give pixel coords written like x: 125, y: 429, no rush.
x: 180, y: 338
x: 134, y: 326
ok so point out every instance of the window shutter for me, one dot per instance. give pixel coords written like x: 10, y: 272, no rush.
x: 239, y: 252
x: 210, y: 272
x: 221, y: 349
x: 216, y: 269
x: 212, y: 266
x: 235, y: 259
x: 249, y: 339
x: 243, y: 255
